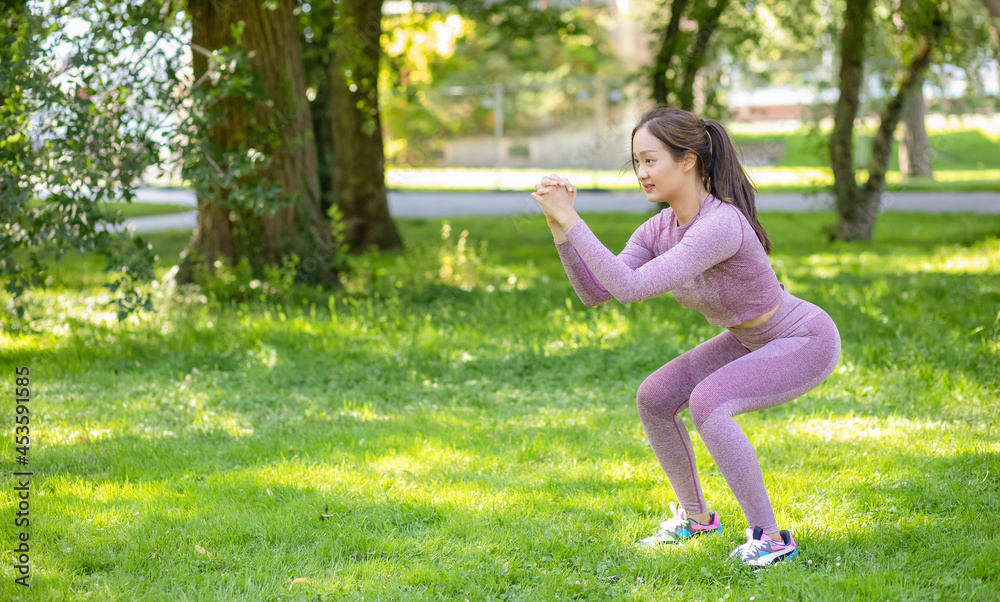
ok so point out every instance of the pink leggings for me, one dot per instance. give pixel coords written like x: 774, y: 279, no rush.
x: 738, y: 371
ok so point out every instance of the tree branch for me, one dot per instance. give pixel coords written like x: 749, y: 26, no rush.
x: 882, y: 144
x: 696, y: 57
x: 668, y: 48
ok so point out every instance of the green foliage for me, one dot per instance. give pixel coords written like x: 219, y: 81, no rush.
x: 338, y: 238
x: 228, y: 283
x: 784, y: 42
x: 224, y: 283
x: 85, y: 110
x: 788, y: 42
x: 484, y: 444
x: 967, y: 44
x: 80, y: 115
x: 518, y: 41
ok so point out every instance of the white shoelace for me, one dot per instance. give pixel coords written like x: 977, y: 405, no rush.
x: 668, y: 526
x: 751, y: 547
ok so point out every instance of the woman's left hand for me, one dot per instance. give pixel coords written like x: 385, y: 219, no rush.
x: 555, y: 195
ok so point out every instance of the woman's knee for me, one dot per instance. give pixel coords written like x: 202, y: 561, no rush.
x: 646, y: 398
x: 659, y: 396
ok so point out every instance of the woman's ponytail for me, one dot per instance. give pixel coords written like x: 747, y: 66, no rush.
x: 727, y: 180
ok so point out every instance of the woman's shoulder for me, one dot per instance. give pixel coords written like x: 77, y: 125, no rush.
x: 651, y: 230
x: 722, y: 222
x: 719, y: 213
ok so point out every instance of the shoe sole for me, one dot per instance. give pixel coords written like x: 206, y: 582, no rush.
x: 785, y: 558
x: 691, y: 535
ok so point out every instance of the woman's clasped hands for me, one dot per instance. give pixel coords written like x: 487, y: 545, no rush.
x: 555, y: 195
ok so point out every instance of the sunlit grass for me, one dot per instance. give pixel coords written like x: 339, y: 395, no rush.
x: 958, y: 259
x: 471, y: 432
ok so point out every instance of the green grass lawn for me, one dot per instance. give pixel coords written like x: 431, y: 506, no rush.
x: 453, y: 424
x: 950, y: 150
x: 133, y: 210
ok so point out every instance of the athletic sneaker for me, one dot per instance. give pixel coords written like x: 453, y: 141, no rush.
x: 680, y: 527
x: 760, y: 550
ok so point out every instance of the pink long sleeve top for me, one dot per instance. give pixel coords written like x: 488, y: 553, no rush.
x: 714, y: 264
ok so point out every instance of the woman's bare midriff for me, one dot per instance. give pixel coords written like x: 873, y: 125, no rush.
x: 753, y: 322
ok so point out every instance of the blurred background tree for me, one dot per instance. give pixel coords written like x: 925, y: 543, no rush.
x: 684, y: 45
x: 250, y: 152
x: 908, y: 38
x: 701, y: 47
x: 78, y: 126
x: 343, y: 62
x: 444, y: 66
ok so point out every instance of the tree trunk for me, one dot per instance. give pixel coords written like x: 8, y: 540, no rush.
x: 856, y: 221
x: 318, y: 71
x: 359, y: 159
x: 915, y: 149
x: 852, y: 53
x: 323, y: 134
x: 317, y: 68
x: 271, y: 34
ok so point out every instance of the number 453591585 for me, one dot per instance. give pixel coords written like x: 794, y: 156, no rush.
x: 22, y: 413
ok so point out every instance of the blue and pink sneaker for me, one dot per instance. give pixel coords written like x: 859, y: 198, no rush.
x: 679, y: 527
x: 760, y: 550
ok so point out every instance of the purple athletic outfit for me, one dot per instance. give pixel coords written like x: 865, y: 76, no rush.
x: 714, y: 264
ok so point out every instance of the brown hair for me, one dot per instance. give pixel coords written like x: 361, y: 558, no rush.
x: 718, y: 161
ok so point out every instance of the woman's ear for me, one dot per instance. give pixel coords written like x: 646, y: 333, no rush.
x: 688, y: 161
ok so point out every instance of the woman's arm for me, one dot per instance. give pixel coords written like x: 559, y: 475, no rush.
x: 587, y: 288
x: 558, y: 233
x: 705, y: 244
x: 556, y: 197
x: 637, y: 251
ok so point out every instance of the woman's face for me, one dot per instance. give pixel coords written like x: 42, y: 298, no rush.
x: 659, y: 175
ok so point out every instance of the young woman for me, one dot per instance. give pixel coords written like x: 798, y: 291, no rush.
x: 709, y: 249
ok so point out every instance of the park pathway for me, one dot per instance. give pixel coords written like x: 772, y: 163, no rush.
x: 515, y: 203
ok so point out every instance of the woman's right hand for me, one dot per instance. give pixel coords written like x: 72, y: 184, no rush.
x: 544, y: 187
x: 549, y: 182
x: 558, y: 233
x: 554, y: 180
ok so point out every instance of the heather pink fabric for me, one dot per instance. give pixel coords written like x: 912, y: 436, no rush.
x: 716, y: 265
